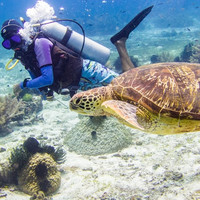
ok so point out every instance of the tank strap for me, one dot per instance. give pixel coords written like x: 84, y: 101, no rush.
x: 66, y: 36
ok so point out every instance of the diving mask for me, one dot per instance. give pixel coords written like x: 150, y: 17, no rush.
x: 12, y: 42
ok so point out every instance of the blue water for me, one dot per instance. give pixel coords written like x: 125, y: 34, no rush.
x: 103, y: 16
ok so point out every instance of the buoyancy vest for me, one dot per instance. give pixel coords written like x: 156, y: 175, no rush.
x: 67, y: 66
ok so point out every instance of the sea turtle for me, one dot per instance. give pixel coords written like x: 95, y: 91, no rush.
x: 162, y: 98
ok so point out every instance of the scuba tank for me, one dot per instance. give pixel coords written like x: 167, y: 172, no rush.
x: 80, y: 44
x: 74, y: 41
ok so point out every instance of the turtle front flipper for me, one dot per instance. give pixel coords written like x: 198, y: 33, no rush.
x: 125, y: 112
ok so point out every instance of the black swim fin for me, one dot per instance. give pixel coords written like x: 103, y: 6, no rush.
x: 131, y: 25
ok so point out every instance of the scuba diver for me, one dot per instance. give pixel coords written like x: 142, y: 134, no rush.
x: 55, y: 68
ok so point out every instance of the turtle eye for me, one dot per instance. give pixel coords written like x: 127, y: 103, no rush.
x: 77, y: 101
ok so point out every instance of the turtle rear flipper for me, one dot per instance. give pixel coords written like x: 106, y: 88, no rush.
x: 125, y: 112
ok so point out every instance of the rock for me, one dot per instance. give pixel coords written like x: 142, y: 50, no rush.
x: 2, y: 194
x: 173, y: 175
x: 2, y: 149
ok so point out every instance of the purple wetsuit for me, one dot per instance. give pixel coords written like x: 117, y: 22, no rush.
x: 43, y: 54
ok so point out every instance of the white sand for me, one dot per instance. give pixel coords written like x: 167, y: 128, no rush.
x: 151, y: 168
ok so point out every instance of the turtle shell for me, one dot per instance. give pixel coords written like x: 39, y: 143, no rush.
x: 170, y: 89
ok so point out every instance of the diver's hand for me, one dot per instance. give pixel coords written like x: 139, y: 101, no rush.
x: 17, y: 89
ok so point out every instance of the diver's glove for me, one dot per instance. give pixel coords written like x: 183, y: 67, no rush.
x: 17, y: 90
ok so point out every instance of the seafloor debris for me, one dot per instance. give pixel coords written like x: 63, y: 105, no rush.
x: 14, y: 111
x: 33, y: 167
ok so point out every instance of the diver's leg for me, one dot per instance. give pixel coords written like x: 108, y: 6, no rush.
x: 123, y: 54
x: 119, y: 39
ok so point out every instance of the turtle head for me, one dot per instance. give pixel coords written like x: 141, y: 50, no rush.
x: 89, y: 102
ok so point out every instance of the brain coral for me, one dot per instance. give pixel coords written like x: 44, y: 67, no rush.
x: 39, y: 174
x: 98, y: 135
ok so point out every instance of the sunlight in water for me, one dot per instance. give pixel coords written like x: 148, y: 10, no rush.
x: 40, y: 12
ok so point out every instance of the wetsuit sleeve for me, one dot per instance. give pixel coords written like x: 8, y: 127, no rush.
x: 31, y: 74
x: 44, y: 80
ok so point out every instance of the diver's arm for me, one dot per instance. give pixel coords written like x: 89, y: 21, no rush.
x: 45, y: 79
x: 31, y: 74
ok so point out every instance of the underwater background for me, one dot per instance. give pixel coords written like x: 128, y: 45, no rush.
x: 103, y: 18
x: 168, y: 28
x: 104, y: 159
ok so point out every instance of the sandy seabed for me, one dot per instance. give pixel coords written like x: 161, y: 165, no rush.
x: 154, y: 167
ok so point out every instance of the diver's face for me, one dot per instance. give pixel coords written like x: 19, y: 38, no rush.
x: 12, y: 42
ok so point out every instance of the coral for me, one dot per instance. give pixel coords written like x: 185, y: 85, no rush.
x: 8, y: 107
x: 195, y: 57
x: 18, y: 159
x: 163, y: 57
x: 191, y: 53
x: 6, y: 173
x: 16, y: 112
x: 27, y: 97
x: 21, y: 154
x: 38, y: 196
x: 33, y: 166
x: 39, y: 174
x: 187, y: 53
x: 98, y: 135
